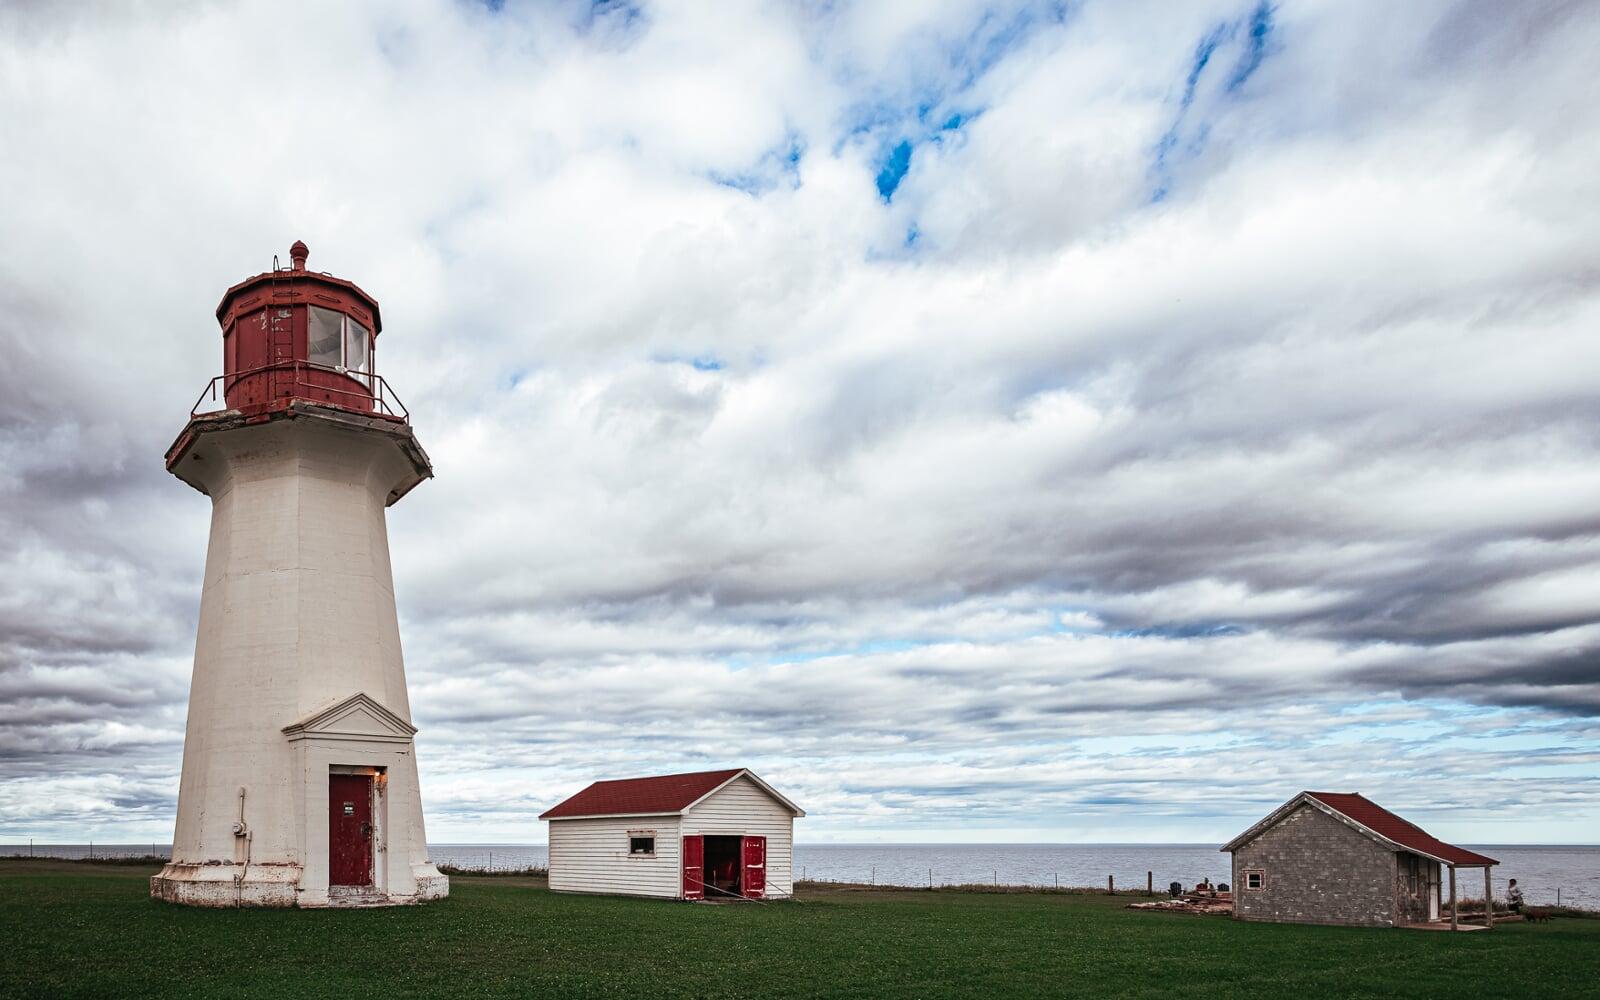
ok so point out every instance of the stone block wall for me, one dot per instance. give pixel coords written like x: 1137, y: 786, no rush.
x: 1317, y: 870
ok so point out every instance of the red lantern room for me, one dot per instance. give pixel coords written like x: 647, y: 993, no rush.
x: 296, y: 343
x: 300, y: 334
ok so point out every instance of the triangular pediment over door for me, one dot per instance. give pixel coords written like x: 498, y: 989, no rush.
x: 358, y: 717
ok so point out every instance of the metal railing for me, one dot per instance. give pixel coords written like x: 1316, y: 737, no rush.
x: 375, y: 395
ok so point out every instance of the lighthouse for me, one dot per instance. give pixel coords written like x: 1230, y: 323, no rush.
x: 299, y: 779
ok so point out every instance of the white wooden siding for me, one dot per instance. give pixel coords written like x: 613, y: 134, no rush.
x: 591, y: 855
x: 741, y: 808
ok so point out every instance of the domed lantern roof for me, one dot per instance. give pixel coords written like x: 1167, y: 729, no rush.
x: 296, y: 341
x: 298, y: 278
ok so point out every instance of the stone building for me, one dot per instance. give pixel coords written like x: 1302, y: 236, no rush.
x: 1340, y: 858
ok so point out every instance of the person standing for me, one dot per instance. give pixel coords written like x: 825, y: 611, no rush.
x: 1514, y: 897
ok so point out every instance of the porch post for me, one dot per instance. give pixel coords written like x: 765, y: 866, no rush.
x: 1488, y: 897
x: 1453, y: 915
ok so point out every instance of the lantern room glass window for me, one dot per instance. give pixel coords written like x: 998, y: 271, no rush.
x: 337, y: 341
x: 325, y: 337
x: 357, y: 345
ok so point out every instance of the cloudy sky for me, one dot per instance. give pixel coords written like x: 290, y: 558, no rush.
x: 987, y: 420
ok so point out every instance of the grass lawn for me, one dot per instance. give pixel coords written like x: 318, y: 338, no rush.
x: 76, y: 930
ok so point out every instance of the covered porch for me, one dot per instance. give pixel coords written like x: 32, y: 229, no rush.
x: 1452, y: 919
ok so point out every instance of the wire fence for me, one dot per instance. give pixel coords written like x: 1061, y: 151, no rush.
x: 1148, y: 885
x: 1581, y: 887
x: 466, y: 859
x: 87, y: 852
x: 490, y: 860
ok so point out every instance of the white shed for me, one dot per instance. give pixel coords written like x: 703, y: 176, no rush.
x: 702, y: 835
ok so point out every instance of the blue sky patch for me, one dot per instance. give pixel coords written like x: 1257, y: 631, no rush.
x: 932, y: 103
x: 776, y: 167
x: 1186, y: 630
x: 894, y: 168
x: 620, y: 21
x: 1189, y: 131
x: 699, y: 362
x: 1255, y: 46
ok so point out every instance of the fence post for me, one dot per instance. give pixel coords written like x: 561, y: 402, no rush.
x: 997, y: 878
x: 1149, y: 883
x: 930, y: 878
x: 874, y: 874
x: 1058, y: 880
x: 1111, y: 885
x: 1558, y: 893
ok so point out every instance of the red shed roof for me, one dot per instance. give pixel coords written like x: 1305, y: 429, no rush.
x: 1403, y: 832
x: 1375, y: 821
x: 665, y: 793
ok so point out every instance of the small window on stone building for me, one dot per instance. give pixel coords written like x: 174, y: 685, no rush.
x: 1255, y: 880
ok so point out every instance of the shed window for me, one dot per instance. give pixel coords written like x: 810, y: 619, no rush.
x: 1255, y: 880
x: 642, y: 844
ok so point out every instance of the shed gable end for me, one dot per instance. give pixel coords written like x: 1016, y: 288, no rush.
x: 739, y: 797
x: 1316, y: 869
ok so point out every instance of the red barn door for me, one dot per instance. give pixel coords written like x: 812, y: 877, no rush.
x: 755, y: 867
x: 349, y: 829
x: 694, y: 867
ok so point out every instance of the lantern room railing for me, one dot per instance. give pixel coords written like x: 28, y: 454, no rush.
x: 373, y: 396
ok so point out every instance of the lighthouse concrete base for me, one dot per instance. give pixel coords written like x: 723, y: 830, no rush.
x: 223, y: 886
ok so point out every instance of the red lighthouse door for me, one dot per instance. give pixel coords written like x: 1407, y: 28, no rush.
x: 349, y: 829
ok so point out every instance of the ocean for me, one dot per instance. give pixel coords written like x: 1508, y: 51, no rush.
x: 1541, y: 871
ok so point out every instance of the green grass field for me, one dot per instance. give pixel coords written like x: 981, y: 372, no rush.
x: 75, y: 930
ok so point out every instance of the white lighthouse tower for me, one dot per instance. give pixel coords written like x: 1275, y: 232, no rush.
x: 299, y: 777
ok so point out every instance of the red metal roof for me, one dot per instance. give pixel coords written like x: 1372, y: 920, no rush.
x: 288, y: 281
x: 1386, y: 824
x: 665, y: 793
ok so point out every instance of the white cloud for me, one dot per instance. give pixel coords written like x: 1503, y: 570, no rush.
x: 1076, y: 487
